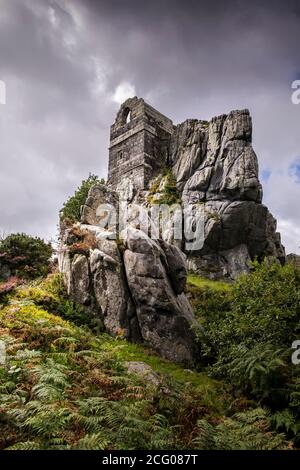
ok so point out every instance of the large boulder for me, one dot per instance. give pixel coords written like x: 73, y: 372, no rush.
x: 98, y: 195
x: 223, y: 179
x: 156, y: 279
x: 96, y: 280
x: 133, y: 283
x: 216, y: 171
x: 187, y: 148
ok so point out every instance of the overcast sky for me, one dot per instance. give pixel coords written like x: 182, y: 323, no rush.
x: 67, y: 64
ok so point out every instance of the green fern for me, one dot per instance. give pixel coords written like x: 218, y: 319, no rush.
x: 286, y: 421
x: 249, y: 430
x: 205, y: 439
x: 52, y: 381
x: 94, y: 441
x: 26, y: 445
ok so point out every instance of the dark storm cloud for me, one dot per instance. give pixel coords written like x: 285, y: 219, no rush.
x: 62, y: 62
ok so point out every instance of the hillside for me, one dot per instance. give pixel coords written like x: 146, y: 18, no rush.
x: 67, y: 385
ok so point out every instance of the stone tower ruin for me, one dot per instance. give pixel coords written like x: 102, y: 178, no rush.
x: 215, y: 167
x: 139, y: 142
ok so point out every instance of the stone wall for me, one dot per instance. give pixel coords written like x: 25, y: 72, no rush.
x: 138, y: 148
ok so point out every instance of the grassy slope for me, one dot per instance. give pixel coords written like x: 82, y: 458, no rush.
x: 203, y: 283
x: 64, y: 387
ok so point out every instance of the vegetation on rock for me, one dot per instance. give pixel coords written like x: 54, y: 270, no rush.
x: 163, y: 190
x: 80, y: 241
x: 71, y: 210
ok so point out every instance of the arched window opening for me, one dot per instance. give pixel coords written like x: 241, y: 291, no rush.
x: 128, y: 117
x: 125, y: 116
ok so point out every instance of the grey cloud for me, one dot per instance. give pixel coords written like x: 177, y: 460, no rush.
x: 62, y: 61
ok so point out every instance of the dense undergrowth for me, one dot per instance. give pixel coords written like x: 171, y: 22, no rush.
x: 249, y: 331
x: 65, y: 385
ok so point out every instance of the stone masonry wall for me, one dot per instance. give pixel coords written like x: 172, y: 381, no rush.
x: 139, y: 147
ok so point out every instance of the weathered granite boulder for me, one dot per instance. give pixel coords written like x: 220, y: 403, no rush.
x: 229, y: 167
x: 98, y: 195
x: 163, y: 312
x: 188, y: 148
x: 216, y: 167
x: 144, y: 371
x: 134, y: 284
x: 293, y: 259
x: 96, y: 280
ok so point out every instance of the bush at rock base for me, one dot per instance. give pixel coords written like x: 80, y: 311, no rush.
x: 25, y: 256
x: 249, y: 331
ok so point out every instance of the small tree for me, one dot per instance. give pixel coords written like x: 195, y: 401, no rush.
x: 71, y: 208
x: 25, y: 256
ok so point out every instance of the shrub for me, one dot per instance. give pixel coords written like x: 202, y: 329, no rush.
x: 248, y: 340
x: 265, y: 307
x: 25, y: 256
x: 72, y: 207
x: 170, y: 193
x: 209, y: 300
